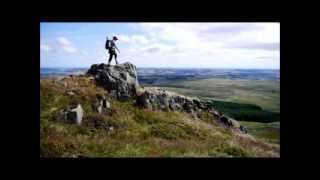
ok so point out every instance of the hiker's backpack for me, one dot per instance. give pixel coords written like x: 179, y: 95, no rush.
x: 108, y: 46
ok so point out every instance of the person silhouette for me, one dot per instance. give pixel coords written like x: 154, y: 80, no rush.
x: 112, y: 50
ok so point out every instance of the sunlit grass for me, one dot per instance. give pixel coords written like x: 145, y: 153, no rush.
x: 136, y: 132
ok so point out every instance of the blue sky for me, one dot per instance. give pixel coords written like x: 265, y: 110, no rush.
x: 177, y: 45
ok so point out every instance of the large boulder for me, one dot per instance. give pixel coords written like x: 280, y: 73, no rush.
x: 160, y: 99
x: 120, y: 80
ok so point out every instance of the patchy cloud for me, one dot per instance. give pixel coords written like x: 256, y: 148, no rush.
x: 216, y: 45
x: 260, y: 46
x: 264, y: 57
x: 65, y: 45
x: 152, y: 50
x: 231, y: 44
x: 230, y: 28
x: 134, y: 39
x: 58, y: 45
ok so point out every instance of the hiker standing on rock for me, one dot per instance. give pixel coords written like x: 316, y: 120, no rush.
x: 111, y: 46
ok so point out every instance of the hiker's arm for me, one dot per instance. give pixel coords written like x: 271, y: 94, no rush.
x: 117, y: 48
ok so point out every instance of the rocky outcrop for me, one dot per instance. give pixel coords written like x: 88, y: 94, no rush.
x: 157, y: 98
x: 120, y: 80
x: 160, y: 99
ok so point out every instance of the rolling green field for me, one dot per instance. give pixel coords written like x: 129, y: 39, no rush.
x: 246, y: 112
x: 264, y: 93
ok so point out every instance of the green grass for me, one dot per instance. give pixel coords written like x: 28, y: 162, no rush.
x: 266, y: 131
x: 137, y: 132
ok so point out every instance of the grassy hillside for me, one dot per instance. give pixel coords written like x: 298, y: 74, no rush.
x: 137, y: 132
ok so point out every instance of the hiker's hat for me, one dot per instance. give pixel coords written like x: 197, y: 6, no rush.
x: 115, y: 38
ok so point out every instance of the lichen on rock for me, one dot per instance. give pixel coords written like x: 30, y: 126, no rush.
x: 120, y: 80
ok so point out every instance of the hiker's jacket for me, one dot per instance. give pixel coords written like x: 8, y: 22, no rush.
x: 113, y: 46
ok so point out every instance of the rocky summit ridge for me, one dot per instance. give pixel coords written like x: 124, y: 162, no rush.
x: 121, y: 81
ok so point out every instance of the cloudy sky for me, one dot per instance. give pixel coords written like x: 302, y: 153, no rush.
x: 178, y: 45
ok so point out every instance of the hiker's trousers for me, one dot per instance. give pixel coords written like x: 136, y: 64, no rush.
x: 111, y: 55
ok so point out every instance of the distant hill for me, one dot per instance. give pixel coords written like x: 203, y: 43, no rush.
x: 161, y: 76
x: 150, y: 75
x: 51, y: 72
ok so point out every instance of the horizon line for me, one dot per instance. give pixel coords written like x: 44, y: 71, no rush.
x: 173, y: 68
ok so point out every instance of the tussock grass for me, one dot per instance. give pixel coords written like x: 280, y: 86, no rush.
x: 136, y: 132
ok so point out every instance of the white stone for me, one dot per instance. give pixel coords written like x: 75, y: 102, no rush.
x: 79, y: 113
x: 108, y: 105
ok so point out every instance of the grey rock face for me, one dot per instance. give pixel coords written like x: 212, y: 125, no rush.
x: 243, y: 129
x: 120, y: 80
x: 232, y: 123
x: 158, y: 99
x: 98, y: 107
x: 74, y: 115
x: 107, y: 104
x: 225, y: 120
x: 215, y: 113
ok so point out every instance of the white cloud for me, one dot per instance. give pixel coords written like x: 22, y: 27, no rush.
x: 64, y: 44
x: 216, y: 34
x: 58, y: 45
x: 236, y: 45
x: 207, y: 44
x: 134, y: 39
